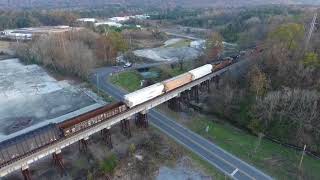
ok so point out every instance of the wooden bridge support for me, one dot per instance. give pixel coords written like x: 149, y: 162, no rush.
x: 217, y: 81
x: 106, y: 135
x: 196, y: 94
x: 208, y: 85
x: 174, y: 104
x: 26, y: 173
x: 125, y: 127
x: 83, y: 144
x: 142, y: 120
x: 205, y: 86
x: 185, y: 97
x: 57, y: 160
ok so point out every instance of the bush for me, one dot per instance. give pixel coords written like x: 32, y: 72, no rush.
x: 109, y: 164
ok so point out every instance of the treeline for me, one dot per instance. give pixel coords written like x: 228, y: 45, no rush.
x: 240, y: 25
x: 279, y: 94
x: 75, y: 53
x: 27, y: 18
x: 21, y: 19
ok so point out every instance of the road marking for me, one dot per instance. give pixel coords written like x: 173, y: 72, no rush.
x: 205, y: 149
x: 234, y: 172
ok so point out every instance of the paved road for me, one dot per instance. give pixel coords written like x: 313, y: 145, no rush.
x: 182, y: 36
x: 222, y: 160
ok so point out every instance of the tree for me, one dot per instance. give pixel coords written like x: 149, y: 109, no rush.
x: 60, y: 54
x: 117, y: 40
x: 287, y: 37
x: 105, y: 50
x: 290, y: 115
x: 214, y: 46
x: 311, y: 60
x: 258, y: 81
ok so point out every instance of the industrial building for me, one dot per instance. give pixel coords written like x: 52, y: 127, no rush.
x: 29, y: 33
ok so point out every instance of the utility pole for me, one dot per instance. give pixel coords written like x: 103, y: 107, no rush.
x: 303, y: 153
x: 313, y: 23
x: 97, y: 76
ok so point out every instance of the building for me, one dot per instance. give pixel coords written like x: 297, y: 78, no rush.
x: 29, y: 33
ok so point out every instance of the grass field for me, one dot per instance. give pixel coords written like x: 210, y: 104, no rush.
x: 181, y: 43
x: 276, y: 160
x: 129, y: 80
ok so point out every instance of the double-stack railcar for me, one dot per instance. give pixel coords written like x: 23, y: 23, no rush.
x: 26, y: 143
x: 201, y: 71
x: 178, y: 81
x: 86, y: 120
x: 143, y: 95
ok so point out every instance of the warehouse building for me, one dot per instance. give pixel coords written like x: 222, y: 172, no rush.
x: 29, y: 33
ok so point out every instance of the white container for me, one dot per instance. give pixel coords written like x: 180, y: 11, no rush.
x: 201, y: 71
x: 143, y: 95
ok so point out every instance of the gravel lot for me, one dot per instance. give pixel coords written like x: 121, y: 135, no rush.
x: 29, y: 97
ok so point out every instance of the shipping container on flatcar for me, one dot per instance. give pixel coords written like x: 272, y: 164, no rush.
x: 143, y: 95
x: 177, y: 81
x: 20, y: 145
x: 90, y: 118
x: 201, y: 71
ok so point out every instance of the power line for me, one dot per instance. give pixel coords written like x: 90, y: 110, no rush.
x: 313, y: 23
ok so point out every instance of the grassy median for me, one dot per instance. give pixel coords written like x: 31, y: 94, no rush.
x: 129, y: 80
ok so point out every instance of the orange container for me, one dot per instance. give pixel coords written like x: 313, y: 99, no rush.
x: 177, y: 81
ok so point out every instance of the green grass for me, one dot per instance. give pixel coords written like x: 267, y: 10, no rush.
x: 129, y: 80
x: 208, y: 168
x: 181, y: 43
x: 109, y: 164
x: 276, y: 160
x: 197, y: 161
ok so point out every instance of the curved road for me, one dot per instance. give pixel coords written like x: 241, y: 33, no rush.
x: 222, y: 160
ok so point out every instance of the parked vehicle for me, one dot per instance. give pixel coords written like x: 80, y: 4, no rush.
x: 127, y: 65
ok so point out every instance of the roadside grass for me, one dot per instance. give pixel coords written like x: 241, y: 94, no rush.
x: 276, y: 160
x: 129, y: 80
x: 103, y: 95
x: 175, y: 70
x: 4, y: 45
x: 207, y: 167
x: 197, y: 161
x: 181, y: 43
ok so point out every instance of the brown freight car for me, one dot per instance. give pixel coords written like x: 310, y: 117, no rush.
x: 86, y: 120
x: 177, y: 81
x: 221, y: 65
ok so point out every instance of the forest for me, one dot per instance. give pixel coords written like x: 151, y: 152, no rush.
x: 278, y: 95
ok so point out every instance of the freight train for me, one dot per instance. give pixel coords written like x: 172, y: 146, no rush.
x: 14, y: 148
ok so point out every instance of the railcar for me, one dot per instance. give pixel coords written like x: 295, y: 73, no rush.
x: 143, y: 95
x: 23, y: 144
x: 178, y: 81
x: 86, y: 120
x: 201, y: 71
x: 221, y: 65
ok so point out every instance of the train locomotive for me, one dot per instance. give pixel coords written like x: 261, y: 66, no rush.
x: 19, y: 146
